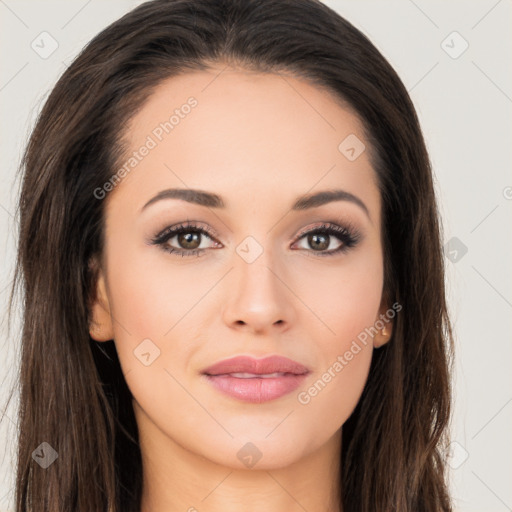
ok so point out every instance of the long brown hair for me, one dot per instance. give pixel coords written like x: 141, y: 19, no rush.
x: 72, y: 392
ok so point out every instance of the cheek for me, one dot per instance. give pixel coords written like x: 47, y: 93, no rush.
x: 156, y: 310
x: 149, y: 295
x: 343, y: 296
x: 344, y: 351
x: 334, y: 390
x: 346, y: 302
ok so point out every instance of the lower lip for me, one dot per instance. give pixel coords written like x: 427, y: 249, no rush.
x: 256, y: 390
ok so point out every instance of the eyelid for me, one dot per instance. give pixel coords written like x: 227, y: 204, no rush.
x: 344, y: 225
x: 200, y: 226
x: 188, y: 224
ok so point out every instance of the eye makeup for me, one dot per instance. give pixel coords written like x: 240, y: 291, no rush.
x: 191, y: 232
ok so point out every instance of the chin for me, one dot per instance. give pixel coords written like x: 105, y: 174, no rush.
x: 257, y: 450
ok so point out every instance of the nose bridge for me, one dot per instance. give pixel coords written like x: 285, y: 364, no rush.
x: 255, y: 265
x: 259, y: 296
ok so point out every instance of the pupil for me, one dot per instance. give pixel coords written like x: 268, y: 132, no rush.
x: 313, y: 240
x: 189, y: 240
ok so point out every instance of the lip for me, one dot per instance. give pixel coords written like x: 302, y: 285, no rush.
x: 248, y: 364
x: 263, y: 386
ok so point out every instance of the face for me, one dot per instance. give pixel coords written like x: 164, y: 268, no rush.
x: 250, y: 273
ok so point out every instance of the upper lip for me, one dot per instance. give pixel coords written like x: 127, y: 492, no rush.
x: 247, y: 364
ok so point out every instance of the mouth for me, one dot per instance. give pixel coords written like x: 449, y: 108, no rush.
x: 256, y: 380
x: 245, y: 375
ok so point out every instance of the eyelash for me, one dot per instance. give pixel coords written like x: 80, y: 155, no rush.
x: 349, y: 236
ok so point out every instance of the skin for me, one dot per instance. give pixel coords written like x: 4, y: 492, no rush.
x: 259, y: 141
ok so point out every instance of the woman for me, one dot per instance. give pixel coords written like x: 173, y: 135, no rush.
x: 300, y: 359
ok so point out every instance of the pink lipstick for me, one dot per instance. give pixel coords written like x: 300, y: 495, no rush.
x: 256, y: 380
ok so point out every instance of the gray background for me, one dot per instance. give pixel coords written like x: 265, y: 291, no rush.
x: 464, y: 101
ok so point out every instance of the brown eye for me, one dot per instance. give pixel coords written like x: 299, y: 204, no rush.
x: 320, y: 239
x: 185, y: 240
x: 190, y: 240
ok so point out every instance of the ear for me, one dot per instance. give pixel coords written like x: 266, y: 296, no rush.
x: 386, y: 324
x: 100, y: 323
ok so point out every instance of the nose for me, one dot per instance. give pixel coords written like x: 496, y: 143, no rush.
x: 258, y: 298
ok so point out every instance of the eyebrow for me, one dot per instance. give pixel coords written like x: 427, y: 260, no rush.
x: 211, y: 200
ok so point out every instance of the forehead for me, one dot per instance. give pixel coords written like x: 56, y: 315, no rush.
x: 245, y: 134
